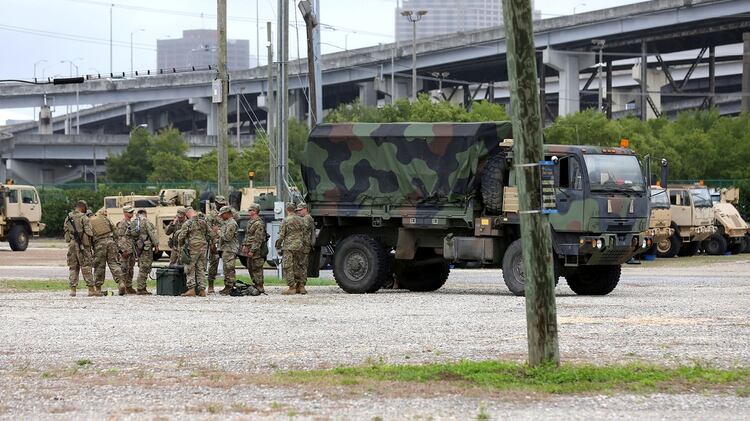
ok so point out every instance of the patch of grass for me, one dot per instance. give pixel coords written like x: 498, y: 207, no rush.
x: 509, y: 376
x: 699, y: 260
x: 84, y: 362
x: 483, y: 415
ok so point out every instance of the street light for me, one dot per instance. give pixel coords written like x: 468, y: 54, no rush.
x: 577, y: 6
x: 33, y: 109
x: 72, y: 64
x: 599, y: 43
x: 131, y: 49
x: 413, y: 17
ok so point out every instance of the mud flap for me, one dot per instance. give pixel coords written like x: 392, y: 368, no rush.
x: 313, y: 263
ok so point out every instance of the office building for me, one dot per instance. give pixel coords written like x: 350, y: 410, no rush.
x: 200, y: 48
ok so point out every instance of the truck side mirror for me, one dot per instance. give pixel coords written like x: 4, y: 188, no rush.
x: 555, y: 159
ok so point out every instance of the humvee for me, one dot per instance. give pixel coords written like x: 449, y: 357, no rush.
x: 660, y: 221
x: 692, y: 220
x: 20, y: 215
x: 731, y: 231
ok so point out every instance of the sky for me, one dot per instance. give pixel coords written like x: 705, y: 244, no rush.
x: 52, y: 32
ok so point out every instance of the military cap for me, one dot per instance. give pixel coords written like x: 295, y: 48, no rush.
x: 221, y: 200
x: 82, y: 203
x: 225, y: 209
x: 254, y: 207
x: 290, y: 206
x: 127, y: 209
x: 302, y: 205
x: 181, y: 211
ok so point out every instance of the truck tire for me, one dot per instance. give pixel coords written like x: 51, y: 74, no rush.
x: 513, y: 268
x: 689, y: 249
x: 18, y: 238
x: 594, y: 280
x: 493, y: 182
x: 747, y: 243
x: 669, y: 247
x: 360, y: 264
x: 715, y: 245
x: 205, y: 198
x: 418, y: 277
x: 738, y: 247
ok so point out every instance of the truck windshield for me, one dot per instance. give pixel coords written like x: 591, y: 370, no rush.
x: 659, y: 198
x: 701, y: 198
x: 614, y: 173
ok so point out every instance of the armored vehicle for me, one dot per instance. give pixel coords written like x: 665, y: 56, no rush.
x: 692, y: 220
x: 404, y: 201
x: 20, y: 215
x: 660, y: 221
x: 161, y: 209
x: 731, y: 231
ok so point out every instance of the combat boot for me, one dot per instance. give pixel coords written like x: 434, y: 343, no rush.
x: 226, y: 290
x: 211, y: 287
x: 98, y: 289
x: 291, y: 291
x: 189, y: 293
x: 301, y: 289
x: 143, y: 291
x: 202, y: 292
x: 130, y: 290
x: 94, y: 293
x: 72, y: 291
x: 260, y: 288
x: 121, y: 289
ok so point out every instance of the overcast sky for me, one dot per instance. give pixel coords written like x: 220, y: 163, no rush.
x: 57, y: 30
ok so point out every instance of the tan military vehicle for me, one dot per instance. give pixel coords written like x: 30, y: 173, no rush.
x: 161, y: 209
x: 731, y: 231
x: 692, y: 219
x: 660, y: 219
x: 20, y: 215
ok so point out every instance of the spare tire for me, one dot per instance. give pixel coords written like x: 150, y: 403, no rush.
x: 493, y: 181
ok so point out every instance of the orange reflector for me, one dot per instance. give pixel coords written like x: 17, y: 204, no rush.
x: 624, y: 143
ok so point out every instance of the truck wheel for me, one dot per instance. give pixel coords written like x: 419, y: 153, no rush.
x: 669, y: 247
x: 492, y: 183
x: 18, y: 238
x: 594, y: 280
x: 715, y: 245
x: 689, y: 249
x: 360, y: 264
x: 513, y: 268
x: 738, y: 247
x: 747, y: 243
x: 421, y: 277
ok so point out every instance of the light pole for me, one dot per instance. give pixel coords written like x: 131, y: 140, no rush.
x: 599, y: 43
x: 413, y: 18
x: 33, y: 109
x: 440, y: 76
x: 131, y: 49
x: 577, y: 6
x: 72, y: 64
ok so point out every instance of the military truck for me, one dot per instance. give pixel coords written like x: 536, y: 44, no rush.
x: 405, y: 200
x: 161, y: 209
x: 692, y: 220
x: 20, y: 215
x: 660, y: 221
x: 731, y: 231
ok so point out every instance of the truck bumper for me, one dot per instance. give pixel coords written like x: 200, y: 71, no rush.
x: 700, y: 233
x: 659, y: 234
x: 610, y: 249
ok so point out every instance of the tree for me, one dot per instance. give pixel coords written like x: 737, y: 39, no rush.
x: 170, y: 168
x: 133, y: 164
x: 149, y: 157
x: 424, y: 109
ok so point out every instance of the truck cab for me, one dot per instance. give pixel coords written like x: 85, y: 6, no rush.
x: 20, y: 215
x: 692, y: 220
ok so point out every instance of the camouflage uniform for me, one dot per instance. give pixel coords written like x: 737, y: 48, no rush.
x: 195, y: 235
x: 143, y: 236
x: 172, y: 230
x: 214, y: 220
x: 126, y: 246
x: 291, y: 242
x: 254, y: 239
x: 80, y: 256
x: 106, y: 253
x: 229, y: 243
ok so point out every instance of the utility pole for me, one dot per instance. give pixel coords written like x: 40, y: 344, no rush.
x: 223, y: 135
x: 311, y: 21
x: 541, y: 314
x: 269, y: 107
x: 413, y: 18
x: 600, y: 67
x: 239, y: 122
x: 111, y: 6
x: 283, y: 97
x: 316, y: 60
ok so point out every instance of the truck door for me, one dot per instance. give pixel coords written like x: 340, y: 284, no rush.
x: 29, y: 203
x: 13, y: 203
x: 682, y: 214
x: 569, y: 196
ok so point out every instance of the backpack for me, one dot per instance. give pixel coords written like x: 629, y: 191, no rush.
x: 242, y: 289
x: 264, y: 247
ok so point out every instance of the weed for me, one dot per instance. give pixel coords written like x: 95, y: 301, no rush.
x: 84, y: 362
x: 213, y: 408
x: 275, y: 406
x: 483, y: 415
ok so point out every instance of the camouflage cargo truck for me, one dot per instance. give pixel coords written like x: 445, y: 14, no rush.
x: 731, y: 230
x: 20, y: 215
x: 404, y: 200
x: 692, y: 220
x: 660, y: 221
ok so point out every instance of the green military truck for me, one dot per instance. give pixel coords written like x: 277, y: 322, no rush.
x: 403, y: 201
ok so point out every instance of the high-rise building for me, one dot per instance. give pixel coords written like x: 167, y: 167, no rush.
x: 200, y: 48
x: 449, y: 17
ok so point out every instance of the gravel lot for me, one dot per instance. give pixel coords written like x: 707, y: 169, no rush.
x: 141, y: 347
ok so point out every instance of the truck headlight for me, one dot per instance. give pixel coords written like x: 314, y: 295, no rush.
x: 599, y: 244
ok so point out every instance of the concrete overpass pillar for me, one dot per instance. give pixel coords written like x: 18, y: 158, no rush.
x: 655, y: 79
x: 568, y: 66
x: 297, y: 105
x: 746, y: 73
x: 45, y: 120
x: 368, y: 96
x: 204, y: 105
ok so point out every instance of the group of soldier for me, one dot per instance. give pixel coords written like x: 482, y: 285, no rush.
x: 197, y: 242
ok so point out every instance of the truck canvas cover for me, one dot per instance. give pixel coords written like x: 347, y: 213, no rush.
x: 398, y: 163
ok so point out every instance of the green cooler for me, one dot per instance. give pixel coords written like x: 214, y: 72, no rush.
x: 170, y: 281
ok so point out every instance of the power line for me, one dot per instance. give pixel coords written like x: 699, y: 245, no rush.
x: 73, y: 37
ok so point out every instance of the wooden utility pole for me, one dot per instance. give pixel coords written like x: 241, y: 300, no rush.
x: 270, y: 111
x: 223, y: 134
x: 311, y: 21
x: 541, y: 314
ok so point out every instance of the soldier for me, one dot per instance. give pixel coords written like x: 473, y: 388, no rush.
x: 78, y: 235
x: 228, y: 245
x: 105, y: 250
x: 196, y: 234
x: 255, y: 246
x: 290, y: 243
x: 127, y: 251
x: 307, y: 243
x: 145, y: 242
x: 214, y: 221
x: 172, y: 229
